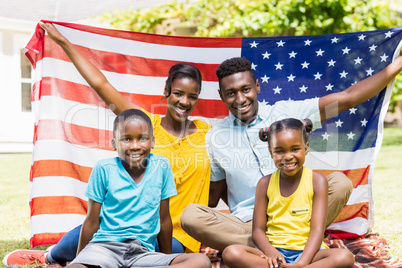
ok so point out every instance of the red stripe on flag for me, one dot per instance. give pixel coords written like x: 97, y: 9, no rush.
x: 360, y: 210
x: 342, y: 234
x: 43, y: 168
x: 74, y: 134
x: 58, y: 205
x: 154, y: 104
x: 358, y: 176
x: 45, y: 239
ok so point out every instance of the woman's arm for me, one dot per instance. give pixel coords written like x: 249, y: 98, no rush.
x: 318, y: 218
x: 90, y: 225
x: 260, y: 218
x: 165, y: 234
x: 94, y: 77
x: 333, y: 104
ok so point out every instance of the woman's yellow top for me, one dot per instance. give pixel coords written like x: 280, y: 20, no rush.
x: 191, y: 170
x: 289, y: 218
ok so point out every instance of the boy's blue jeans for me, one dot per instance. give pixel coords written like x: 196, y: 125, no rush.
x: 66, y: 249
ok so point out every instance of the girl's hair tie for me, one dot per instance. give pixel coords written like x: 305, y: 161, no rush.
x: 304, y: 122
x: 266, y: 129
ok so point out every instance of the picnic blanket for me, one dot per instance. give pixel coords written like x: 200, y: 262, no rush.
x: 73, y: 127
x: 370, y: 250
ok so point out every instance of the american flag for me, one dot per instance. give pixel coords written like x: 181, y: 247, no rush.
x: 73, y: 126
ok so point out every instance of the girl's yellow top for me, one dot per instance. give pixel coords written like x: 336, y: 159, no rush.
x: 191, y: 170
x: 289, y: 217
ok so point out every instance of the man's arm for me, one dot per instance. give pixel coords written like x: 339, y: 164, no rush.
x: 165, y: 234
x: 217, y: 190
x: 333, y: 104
x: 90, y: 225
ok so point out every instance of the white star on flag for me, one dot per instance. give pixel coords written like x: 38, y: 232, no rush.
x: 254, y: 44
x: 277, y: 90
x: 317, y: 76
x: 329, y: 87
x: 358, y: 60
x: 307, y: 42
x: 303, y: 88
x: 320, y: 52
x: 373, y: 47
x: 291, y: 77
x: 343, y: 74
x: 384, y: 57
x: 266, y: 55
x: 346, y: 50
x: 350, y: 135
x: 369, y: 72
x: 331, y: 63
x: 305, y: 65
x: 265, y: 79
x: 292, y: 54
x: 352, y: 110
x: 280, y: 43
x: 388, y: 34
x: 338, y: 123
x: 278, y: 66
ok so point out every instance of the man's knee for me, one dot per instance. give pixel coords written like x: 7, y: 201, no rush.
x: 339, y: 185
x: 190, y: 216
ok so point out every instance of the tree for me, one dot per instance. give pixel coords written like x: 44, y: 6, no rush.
x: 217, y: 18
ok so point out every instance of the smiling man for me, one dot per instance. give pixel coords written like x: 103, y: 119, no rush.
x: 239, y: 158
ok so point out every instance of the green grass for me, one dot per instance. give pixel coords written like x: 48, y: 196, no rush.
x: 387, y: 185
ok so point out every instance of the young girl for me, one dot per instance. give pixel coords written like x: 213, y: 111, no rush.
x: 290, y: 208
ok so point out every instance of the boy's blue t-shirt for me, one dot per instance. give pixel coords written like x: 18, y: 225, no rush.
x: 130, y: 210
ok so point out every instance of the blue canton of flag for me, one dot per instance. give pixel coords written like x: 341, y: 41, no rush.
x: 302, y: 67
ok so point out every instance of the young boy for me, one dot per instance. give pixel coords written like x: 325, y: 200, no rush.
x: 128, y: 205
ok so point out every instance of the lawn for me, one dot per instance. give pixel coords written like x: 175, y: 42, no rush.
x: 387, y: 185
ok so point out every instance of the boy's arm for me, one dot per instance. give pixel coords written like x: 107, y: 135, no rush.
x: 94, y: 77
x: 333, y: 104
x: 165, y: 234
x: 260, y: 219
x: 90, y: 225
x: 318, y: 218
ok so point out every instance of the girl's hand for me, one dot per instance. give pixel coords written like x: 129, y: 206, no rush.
x: 53, y: 33
x: 274, y: 260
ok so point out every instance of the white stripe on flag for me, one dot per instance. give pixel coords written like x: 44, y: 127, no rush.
x: 59, y: 185
x: 71, y: 112
x: 339, y: 160
x: 61, y: 150
x: 55, y: 223
x: 360, y: 194
x: 147, y: 50
x: 356, y: 225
